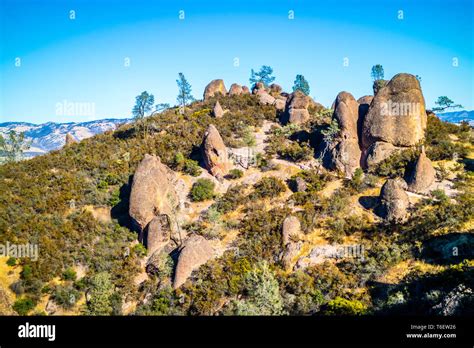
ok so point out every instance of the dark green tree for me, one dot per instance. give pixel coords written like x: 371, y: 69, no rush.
x: 445, y: 103
x: 143, y: 105
x: 184, y: 94
x: 377, y: 72
x: 264, y: 76
x: 301, y: 85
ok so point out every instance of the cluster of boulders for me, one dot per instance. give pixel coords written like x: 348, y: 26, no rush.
x: 154, y: 205
x: 373, y: 128
x: 369, y: 130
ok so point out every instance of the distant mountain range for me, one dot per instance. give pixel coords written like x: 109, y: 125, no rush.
x: 458, y: 116
x: 51, y: 136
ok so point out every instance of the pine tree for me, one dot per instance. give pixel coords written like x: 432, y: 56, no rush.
x: 301, y: 85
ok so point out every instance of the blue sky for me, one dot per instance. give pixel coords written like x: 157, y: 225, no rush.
x: 82, y: 60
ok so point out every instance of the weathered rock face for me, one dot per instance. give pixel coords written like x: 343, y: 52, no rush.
x: 379, y: 151
x: 245, y: 90
x: 364, y: 103
x: 291, y: 229
x: 195, y: 252
x: 218, y: 112
x: 291, y: 232
x: 235, y: 89
x: 70, y: 139
x: 345, y: 152
x: 158, y: 233
x: 280, y: 103
x: 152, y: 191
x: 297, y: 107
x: 213, y: 88
x: 215, y: 153
x: 394, y: 201
x: 275, y: 89
x: 300, y: 185
x: 397, y: 114
x: 265, y: 99
x: 259, y: 87
x: 423, y: 175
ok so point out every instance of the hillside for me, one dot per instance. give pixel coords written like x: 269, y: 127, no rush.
x: 249, y: 203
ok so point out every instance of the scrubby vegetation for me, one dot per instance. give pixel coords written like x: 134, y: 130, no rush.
x: 51, y: 200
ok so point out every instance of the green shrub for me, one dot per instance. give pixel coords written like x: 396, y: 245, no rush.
x: 66, y: 297
x: 202, y: 189
x: 397, y: 163
x: 235, y: 174
x: 69, y: 274
x: 268, y: 187
x: 186, y: 165
x: 23, y: 306
x: 341, y: 306
x: 296, y: 152
x: 232, y: 199
x: 11, y: 261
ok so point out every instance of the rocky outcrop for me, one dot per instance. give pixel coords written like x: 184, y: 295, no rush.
x: 275, y: 89
x: 152, y: 192
x: 377, y: 152
x: 235, y: 89
x: 218, y: 112
x: 280, y: 103
x: 396, y: 116
x: 297, y: 108
x: 195, y: 252
x: 245, y: 90
x: 423, y: 175
x: 300, y: 185
x: 158, y: 233
x: 345, y: 152
x: 394, y: 201
x: 70, y: 139
x: 364, y: 103
x: 214, y: 87
x: 215, y: 153
x: 291, y: 233
x: 258, y: 87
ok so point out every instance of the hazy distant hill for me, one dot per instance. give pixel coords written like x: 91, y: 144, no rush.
x: 51, y: 136
x: 458, y: 116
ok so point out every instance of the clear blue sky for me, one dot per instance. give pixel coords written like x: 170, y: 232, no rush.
x: 82, y: 60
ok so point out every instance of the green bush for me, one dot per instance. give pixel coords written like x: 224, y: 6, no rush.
x: 186, y: 165
x: 235, y: 174
x: 11, y: 261
x: 23, y: 306
x: 296, y: 152
x: 202, y: 189
x: 66, y: 297
x: 268, y: 187
x: 69, y: 274
x: 341, y: 306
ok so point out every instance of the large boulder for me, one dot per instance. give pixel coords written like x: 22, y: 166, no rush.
x: 394, y: 200
x: 218, y: 112
x: 195, y: 252
x: 280, y: 103
x: 245, y: 90
x: 291, y: 229
x: 215, y: 153
x: 423, y: 175
x: 297, y: 107
x: 152, y: 192
x: 70, y: 139
x: 291, y: 233
x: 345, y: 151
x: 258, y: 87
x: 397, y: 114
x: 275, y: 89
x: 364, y: 103
x: 158, y: 233
x: 265, y: 99
x: 235, y: 89
x: 379, y: 151
x: 213, y: 88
